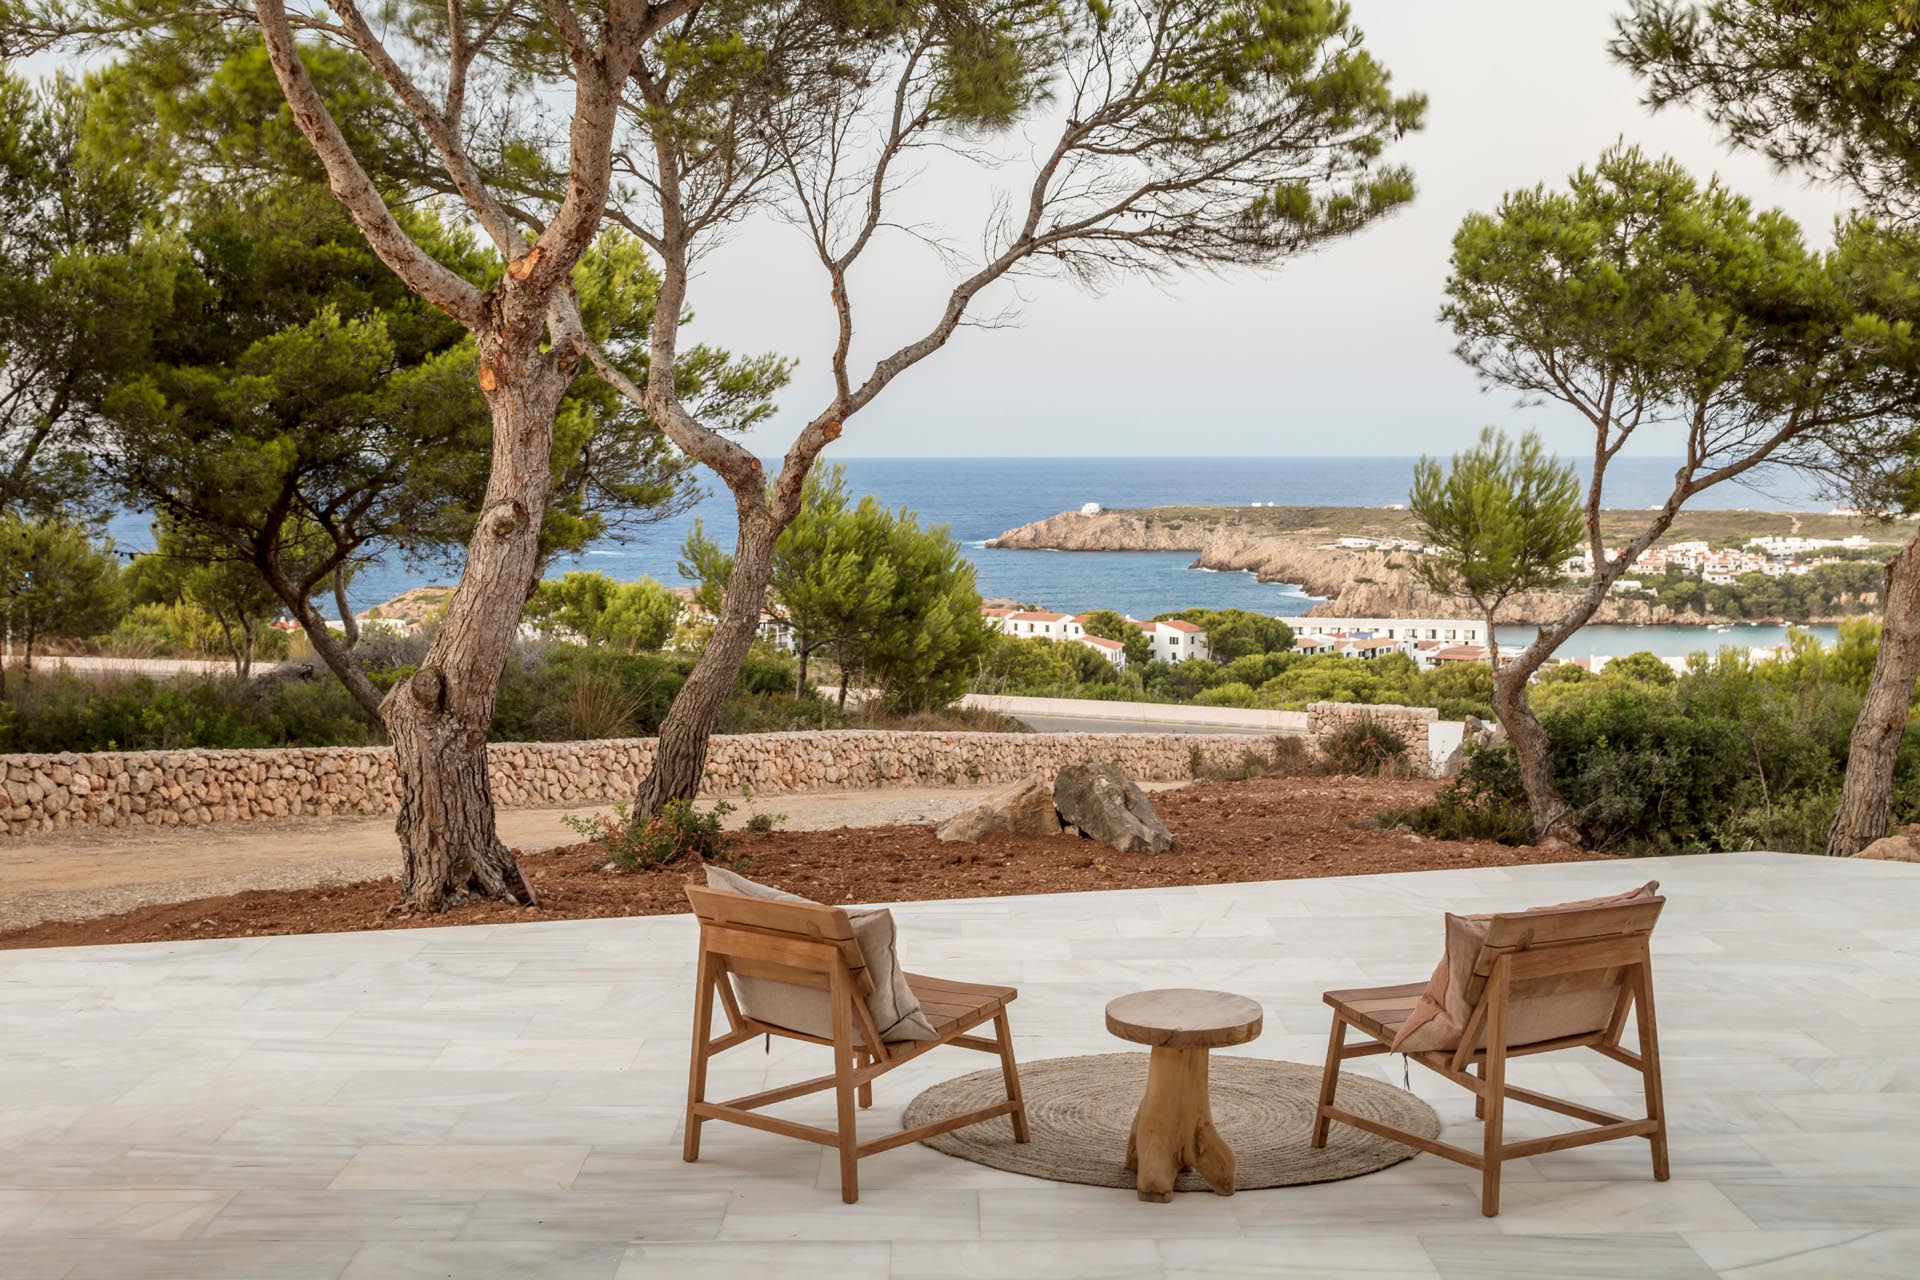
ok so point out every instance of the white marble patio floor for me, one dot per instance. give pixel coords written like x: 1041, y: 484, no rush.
x: 506, y: 1100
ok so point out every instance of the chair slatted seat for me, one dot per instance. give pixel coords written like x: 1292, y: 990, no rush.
x: 1597, y: 955
x: 813, y: 945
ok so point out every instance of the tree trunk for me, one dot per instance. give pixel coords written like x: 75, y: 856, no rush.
x: 337, y: 656
x: 1552, y: 817
x: 1866, y: 797
x: 438, y: 718
x: 801, y: 650
x: 246, y: 651
x: 349, y: 625
x: 680, y: 756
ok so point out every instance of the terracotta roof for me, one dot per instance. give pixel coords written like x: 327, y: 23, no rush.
x: 1178, y: 625
x: 1102, y: 641
x: 1461, y: 653
x: 1036, y: 616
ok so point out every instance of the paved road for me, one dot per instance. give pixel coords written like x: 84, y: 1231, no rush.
x: 158, y: 667
x: 1082, y: 724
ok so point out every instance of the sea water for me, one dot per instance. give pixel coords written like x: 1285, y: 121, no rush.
x: 979, y: 498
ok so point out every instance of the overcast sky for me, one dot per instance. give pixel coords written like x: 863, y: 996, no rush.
x: 1339, y: 353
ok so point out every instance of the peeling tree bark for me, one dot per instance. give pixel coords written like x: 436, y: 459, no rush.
x: 530, y: 341
x: 438, y: 719
x: 1866, y: 796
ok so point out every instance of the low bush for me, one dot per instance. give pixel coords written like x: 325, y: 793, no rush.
x: 1728, y: 755
x: 1231, y: 694
x: 1281, y: 756
x: 71, y: 712
x: 677, y: 833
x: 1367, y: 747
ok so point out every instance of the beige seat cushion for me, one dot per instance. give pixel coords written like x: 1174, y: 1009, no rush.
x: 1439, y: 1017
x: 895, y: 1008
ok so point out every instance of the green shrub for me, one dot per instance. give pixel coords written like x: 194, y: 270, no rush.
x: 599, y: 706
x: 72, y: 712
x: 1727, y: 756
x: 678, y: 832
x: 1281, y: 756
x: 1233, y: 694
x: 1366, y: 747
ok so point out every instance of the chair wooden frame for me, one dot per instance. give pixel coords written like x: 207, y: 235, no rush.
x: 1525, y: 955
x: 813, y: 945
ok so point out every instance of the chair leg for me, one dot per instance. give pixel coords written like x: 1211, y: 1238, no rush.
x: 865, y: 1059
x: 1329, y: 1080
x: 697, y: 1069
x: 1480, y: 1099
x: 843, y: 1087
x: 1650, y: 1067
x: 1493, y: 1074
x: 1011, y: 1071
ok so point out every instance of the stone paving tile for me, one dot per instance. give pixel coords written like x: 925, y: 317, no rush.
x: 508, y: 1100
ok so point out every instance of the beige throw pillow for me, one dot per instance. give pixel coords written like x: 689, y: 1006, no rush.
x: 895, y: 1009
x: 1439, y: 1019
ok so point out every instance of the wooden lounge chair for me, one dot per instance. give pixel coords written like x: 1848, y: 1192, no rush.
x: 1536, y: 959
x: 813, y: 946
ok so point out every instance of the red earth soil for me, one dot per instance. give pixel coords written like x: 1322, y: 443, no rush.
x: 1259, y: 829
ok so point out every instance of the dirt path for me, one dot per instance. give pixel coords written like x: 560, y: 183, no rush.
x: 73, y: 875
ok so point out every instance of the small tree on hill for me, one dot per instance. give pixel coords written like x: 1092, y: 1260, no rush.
x: 595, y: 609
x: 186, y: 567
x: 55, y: 584
x: 895, y: 602
x: 1832, y: 90
x: 1500, y: 521
x: 1651, y: 305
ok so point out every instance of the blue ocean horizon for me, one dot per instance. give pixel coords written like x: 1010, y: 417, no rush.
x: 979, y: 498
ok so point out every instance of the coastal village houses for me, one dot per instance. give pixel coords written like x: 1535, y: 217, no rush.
x: 1172, y: 640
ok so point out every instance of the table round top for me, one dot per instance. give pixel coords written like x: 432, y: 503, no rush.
x: 1184, y: 1018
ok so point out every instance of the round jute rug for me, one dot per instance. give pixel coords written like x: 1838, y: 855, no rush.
x: 1081, y: 1110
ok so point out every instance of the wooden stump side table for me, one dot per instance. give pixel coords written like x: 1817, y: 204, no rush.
x: 1173, y: 1130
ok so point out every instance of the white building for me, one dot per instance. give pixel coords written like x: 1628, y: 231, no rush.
x: 1171, y: 641
x: 1176, y: 641
x: 1040, y: 624
x: 1112, y: 650
x: 1452, y: 630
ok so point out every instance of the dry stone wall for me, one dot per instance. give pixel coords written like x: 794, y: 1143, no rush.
x: 1414, y: 724
x: 192, y: 788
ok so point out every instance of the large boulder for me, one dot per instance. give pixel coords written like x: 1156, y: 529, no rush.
x: 1024, y: 809
x: 1904, y: 847
x: 1475, y: 734
x: 1105, y: 805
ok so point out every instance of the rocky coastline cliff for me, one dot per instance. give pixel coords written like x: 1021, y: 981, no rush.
x: 1294, y: 545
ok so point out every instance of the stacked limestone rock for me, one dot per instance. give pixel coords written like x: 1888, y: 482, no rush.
x: 187, y: 788
x: 1411, y: 723
x: 1095, y: 800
